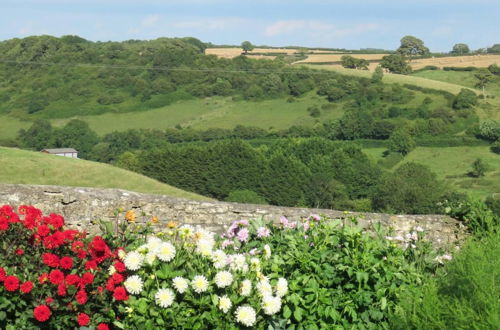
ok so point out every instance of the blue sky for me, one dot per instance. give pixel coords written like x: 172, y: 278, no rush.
x: 349, y: 24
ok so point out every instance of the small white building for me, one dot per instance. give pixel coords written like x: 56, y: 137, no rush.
x: 66, y: 152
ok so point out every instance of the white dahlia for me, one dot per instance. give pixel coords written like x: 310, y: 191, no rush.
x: 166, y: 251
x: 246, y: 288
x: 153, y: 243
x: 225, y: 304
x: 164, y: 297
x: 245, y: 315
x: 133, y: 284
x: 264, y: 288
x: 271, y: 305
x: 199, y: 284
x: 180, y: 284
x: 133, y: 260
x: 219, y: 258
x: 281, y: 287
x: 223, y: 279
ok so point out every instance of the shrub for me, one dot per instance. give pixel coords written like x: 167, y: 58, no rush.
x: 245, y: 196
x: 465, y: 99
x: 54, y: 277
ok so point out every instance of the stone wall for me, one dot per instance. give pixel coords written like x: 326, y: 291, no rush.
x: 80, y: 206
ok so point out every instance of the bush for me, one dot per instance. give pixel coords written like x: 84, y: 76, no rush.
x: 465, y: 99
x: 453, y: 68
x: 245, y: 196
x: 466, y: 293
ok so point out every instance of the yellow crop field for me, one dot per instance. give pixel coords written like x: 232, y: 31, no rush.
x: 236, y: 51
x: 479, y: 61
x: 319, y: 58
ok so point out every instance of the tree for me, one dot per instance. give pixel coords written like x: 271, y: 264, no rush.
x: 495, y: 49
x: 494, y: 69
x: 39, y: 136
x: 401, y: 141
x: 395, y: 63
x: 460, y: 49
x: 378, y: 74
x: 245, y: 196
x: 465, y: 99
x: 478, y: 168
x: 412, y: 189
x: 76, y: 134
x: 412, y: 46
x: 247, y: 46
x: 350, y: 62
x: 483, y: 77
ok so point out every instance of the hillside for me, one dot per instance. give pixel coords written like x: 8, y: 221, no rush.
x: 26, y: 167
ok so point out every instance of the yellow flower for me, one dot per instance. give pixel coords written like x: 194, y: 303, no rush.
x: 154, y: 220
x: 130, y: 216
x: 171, y: 224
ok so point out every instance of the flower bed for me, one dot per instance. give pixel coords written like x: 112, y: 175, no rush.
x: 315, y: 273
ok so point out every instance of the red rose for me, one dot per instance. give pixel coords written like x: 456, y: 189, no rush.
x: 66, y: 262
x: 61, y: 290
x: 102, y: 326
x: 49, y: 300
x: 87, y: 278
x: 120, y: 293
x: 119, y: 266
x: 50, y: 260
x: 26, y: 287
x: 3, y: 274
x: 42, y: 313
x: 83, y: 319
x: 19, y: 252
x: 11, y: 283
x: 43, y: 278
x: 81, y: 297
x: 73, y: 279
x: 56, y: 277
x: 43, y: 230
x: 117, y: 278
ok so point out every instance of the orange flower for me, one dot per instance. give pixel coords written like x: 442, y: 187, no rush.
x: 171, y: 224
x: 130, y: 216
x: 154, y: 220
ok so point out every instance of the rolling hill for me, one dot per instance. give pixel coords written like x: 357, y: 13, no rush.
x: 27, y: 167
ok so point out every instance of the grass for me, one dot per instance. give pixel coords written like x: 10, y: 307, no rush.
x: 221, y: 112
x: 453, y: 163
x: 397, y: 78
x: 9, y: 126
x: 27, y: 167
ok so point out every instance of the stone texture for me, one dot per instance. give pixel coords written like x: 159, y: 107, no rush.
x: 82, y: 206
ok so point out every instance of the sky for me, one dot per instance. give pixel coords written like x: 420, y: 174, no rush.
x: 350, y: 24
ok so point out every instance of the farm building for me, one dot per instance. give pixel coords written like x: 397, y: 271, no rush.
x: 66, y: 152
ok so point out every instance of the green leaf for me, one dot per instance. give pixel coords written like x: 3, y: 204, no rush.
x: 383, y: 303
x: 287, y: 312
x: 297, y: 314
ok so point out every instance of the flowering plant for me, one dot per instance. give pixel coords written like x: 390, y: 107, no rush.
x: 184, y: 278
x: 52, y: 277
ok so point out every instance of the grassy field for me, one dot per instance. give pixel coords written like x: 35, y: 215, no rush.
x: 220, y: 112
x: 397, y: 78
x: 9, y: 126
x: 452, y: 164
x: 27, y: 167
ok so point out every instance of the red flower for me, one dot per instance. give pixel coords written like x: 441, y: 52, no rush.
x: 43, y: 230
x: 100, y: 289
x: 49, y: 300
x: 91, y: 264
x: 117, y: 278
x: 119, y: 266
x: 110, y: 284
x: 99, y: 250
x: 61, y: 290
x: 3, y: 274
x: 81, y: 297
x: 42, y: 313
x: 66, y: 262
x: 56, y: 277
x: 4, y: 223
x: 120, y: 293
x: 56, y: 220
x: 19, y: 252
x: 102, y: 326
x: 43, y: 278
x: 70, y: 234
x: 73, y: 279
x: 87, y: 278
x: 50, y: 260
x: 83, y: 319
x: 11, y: 283
x: 54, y: 241
x: 26, y: 287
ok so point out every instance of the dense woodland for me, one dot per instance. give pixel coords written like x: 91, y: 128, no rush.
x: 321, y: 166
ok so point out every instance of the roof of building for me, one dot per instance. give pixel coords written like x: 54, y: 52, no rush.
x: 60, y: 150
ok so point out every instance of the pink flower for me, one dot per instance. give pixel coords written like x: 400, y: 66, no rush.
x: 253, y: 251
x: 263, y: 232
x: 315, y: 217
x: 284, y: 221
x: 243, y: 235
x: 243, y: 223
x: 306, y: 226
x: 227, y: 243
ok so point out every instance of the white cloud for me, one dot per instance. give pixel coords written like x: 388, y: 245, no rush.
x: 317, y: 26
x: 150, y: 20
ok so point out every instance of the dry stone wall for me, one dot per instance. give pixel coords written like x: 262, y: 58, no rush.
x: 82, y: 206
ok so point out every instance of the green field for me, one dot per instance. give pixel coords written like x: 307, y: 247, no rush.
x: 27, y: 167
x: 452, y: 164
